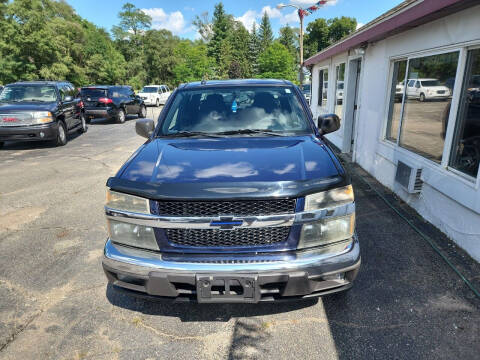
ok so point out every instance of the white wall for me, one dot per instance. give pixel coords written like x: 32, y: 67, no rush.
x: 447, y: 200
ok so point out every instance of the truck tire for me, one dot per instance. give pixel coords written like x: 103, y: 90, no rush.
x: 143, y: 112
x: 83, y: 124
x: 422, y: 97
x: 157, y: 103
x: 61, y: 138
x: 121, y: 116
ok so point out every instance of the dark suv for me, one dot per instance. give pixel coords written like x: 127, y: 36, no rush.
x: 234, y: 197
x: 40, y: 110
x: 111, y: 102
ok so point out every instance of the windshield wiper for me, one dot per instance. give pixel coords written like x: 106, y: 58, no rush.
x: 250, y: 131
x: 190, y: 134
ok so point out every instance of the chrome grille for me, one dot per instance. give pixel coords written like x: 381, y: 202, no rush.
x: 217, y: 208
x: 16, y: 119
x: 228, y: 238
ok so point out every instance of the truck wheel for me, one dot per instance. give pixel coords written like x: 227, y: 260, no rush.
x: 83, y: 124
x: 157, y: 103
x: 61, y: 139
x: 422, y: 97
x: 143, y: 112
x: 121, y: 116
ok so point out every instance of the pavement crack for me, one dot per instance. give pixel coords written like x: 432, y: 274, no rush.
x: 19, y: 329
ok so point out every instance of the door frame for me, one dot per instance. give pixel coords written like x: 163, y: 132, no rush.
x: 352, y: 88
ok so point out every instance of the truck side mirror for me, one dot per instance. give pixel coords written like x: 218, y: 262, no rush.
x: 328, y: 123
x: 144, y: 127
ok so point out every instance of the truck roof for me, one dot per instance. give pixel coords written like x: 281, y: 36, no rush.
x: 242, y: 82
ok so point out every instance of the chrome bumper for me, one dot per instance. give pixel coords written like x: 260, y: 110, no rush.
x: 302, y: 274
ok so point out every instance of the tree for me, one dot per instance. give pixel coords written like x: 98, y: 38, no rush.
x: 276, y: 62
x: 194, y: 64
x: 240, y: 66
x: 316, y: 37
x: 288, y: 38
x: 338, y: 28
x: 132, y: 21
x: 204, y: 26
x: 265, y: 33
x: 254, y: 50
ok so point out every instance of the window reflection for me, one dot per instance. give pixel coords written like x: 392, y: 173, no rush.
x: 323, y: 87
x: 466, y: 142
x: 339, y: 89
x: 396, y: 97
x: 429, y: 88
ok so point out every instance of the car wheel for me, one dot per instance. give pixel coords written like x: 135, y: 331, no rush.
x: 143, y: 112
x: 83, y: 127
x: 157, y: 103
x: 422, y: 97
x: 121, y: 116
x: 61, y: 139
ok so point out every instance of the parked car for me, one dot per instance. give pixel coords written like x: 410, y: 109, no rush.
x: 307, y: 92
x: 399, y: 89
x: 234, y: 197
x: 1, y: 88
x: 427, y: 89
x: 111, y: 102
x: 155, y: 94
x: 40, y: 110
x: 339, y: 94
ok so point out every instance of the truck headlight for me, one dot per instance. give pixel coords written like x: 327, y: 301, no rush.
x: 133, y: 235
x: 329, y: 199
x: 120, y: 201
x: 327, y: 231
x: 130, y: 234
x: 42, y: 117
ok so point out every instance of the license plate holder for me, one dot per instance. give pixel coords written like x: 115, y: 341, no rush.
x: 227, y: 288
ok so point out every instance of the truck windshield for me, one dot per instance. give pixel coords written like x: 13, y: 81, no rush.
x: 236, y: 109
x: 149, y: 89
x: 28, y: 93
x: 93, y: 92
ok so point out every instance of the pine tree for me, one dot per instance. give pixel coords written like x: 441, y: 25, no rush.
x: 254, y: 46
x: 265, y: 33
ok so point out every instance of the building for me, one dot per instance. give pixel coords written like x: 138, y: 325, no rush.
x: 407, y: 88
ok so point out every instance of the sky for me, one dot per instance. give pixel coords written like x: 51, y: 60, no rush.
x: 177, y: 15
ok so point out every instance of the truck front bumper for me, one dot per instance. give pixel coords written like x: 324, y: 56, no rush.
x: 249, y: 279
x: 29, y: 133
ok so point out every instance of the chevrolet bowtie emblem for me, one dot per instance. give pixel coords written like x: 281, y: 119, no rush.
x: 226, y: 223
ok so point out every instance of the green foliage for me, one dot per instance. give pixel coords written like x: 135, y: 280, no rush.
x: 265, y: 33
x: 321, y: 33
x: 47, y: 39
x: 276, y: 62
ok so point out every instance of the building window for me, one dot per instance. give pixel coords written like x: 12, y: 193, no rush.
x: 322, y: 87
x: 339, y: 88
x: 465, y: 155
x: 397, y: 91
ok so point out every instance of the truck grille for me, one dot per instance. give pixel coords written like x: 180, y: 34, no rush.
x: 217, y: 208
x: 226, y: 238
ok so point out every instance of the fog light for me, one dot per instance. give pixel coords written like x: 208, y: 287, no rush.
x: 339, y: 276
x: 42, y: 134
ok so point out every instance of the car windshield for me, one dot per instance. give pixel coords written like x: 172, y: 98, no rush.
x: 236, y: 109
x: 93, y: 92
x: 149, y: 89
x: 431, y: 83
x: 28, y: 93
x: 340, y: 86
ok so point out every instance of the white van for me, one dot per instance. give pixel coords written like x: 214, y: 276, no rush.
x: 427, y: 89
x: 155, y: 94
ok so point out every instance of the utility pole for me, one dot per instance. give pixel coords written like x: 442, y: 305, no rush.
x: 301, y: 14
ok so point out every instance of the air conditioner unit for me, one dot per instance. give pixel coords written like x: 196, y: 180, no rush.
x: 409, y: 177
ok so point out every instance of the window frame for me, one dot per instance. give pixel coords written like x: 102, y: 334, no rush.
x: 335, y: 66
x: 452, y: 118
x: 320, y: 93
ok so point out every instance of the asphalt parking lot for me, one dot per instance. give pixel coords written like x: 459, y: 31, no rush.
x: 55, y: 302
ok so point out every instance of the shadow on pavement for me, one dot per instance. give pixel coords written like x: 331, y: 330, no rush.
x: 187, y: 312
x: 37, y: 144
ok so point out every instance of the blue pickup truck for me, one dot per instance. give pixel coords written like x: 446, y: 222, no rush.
x: 234, y: 197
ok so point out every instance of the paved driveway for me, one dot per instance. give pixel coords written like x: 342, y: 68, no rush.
x: 55, y: 304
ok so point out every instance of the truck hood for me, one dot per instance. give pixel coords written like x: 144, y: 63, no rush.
x: 27, y: 107
x: 197, y: 167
